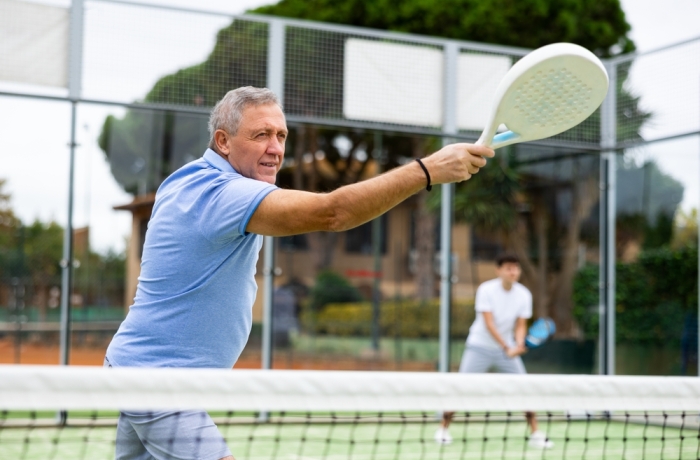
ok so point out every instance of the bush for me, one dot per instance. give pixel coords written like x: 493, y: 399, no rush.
x: 331, y: 287
x: 397, y: 318
x: 654, y: 296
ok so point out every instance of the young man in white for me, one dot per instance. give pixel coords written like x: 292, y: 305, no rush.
x: 497, y: 337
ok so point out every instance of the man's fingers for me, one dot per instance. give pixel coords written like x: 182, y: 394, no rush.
x: 478, y: 161
x: 483, y: 151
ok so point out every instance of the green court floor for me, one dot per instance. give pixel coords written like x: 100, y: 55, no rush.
x: 600, y: 439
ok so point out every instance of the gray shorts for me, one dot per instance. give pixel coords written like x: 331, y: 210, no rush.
x: 477, y: 360
x: 163, y: 435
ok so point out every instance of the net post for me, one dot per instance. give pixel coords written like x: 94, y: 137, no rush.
x: 449, y: 127
x: 608, y: 175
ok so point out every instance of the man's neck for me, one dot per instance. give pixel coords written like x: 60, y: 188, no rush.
x: 507, y: 285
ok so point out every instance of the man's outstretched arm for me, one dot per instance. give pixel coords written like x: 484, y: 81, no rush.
x: 290, y: 212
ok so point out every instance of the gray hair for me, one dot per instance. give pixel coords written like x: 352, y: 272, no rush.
x: 227, y: 113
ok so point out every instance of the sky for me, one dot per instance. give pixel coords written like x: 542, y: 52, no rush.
x: 34, y: 134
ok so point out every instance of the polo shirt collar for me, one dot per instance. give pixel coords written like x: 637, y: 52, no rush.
x: 218, y: 161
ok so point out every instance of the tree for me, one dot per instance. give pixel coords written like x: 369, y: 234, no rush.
x: 32, y: 253
x: 685, y: 230
x: 239, y: 58
x: 598, y: 25
x: 9, y: 224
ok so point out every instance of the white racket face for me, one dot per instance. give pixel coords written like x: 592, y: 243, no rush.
x: 550, y: 90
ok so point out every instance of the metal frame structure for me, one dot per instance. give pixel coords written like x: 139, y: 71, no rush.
x: 449, y: 132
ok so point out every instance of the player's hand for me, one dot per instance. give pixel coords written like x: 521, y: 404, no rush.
x: 517, y: 350
x: 456, y: 162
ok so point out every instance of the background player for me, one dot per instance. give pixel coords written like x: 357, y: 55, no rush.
x: 497, y: 337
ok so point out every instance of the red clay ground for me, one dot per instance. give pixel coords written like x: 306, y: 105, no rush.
x: 93, y: 355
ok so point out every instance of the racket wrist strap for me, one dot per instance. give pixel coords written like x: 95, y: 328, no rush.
x: 427, y: 174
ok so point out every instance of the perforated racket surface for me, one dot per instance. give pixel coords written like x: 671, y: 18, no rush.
x: 540, y: 331
x: 552, y: 89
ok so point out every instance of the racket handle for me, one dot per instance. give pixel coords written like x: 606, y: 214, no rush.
x: 503, y: 139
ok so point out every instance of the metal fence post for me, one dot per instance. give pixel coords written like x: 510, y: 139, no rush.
x: 608, y: 174
x: 449, y: 126
x: 275, y: 82
x: 75, y: 61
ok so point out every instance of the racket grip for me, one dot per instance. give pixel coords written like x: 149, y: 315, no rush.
x: 503, y: 139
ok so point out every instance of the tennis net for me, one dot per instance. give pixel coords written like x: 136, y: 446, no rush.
x: 71, y: 413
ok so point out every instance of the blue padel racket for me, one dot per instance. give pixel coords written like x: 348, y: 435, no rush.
x: 540, y: 331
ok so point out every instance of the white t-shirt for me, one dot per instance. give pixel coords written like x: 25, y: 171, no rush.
x: 506, y: 307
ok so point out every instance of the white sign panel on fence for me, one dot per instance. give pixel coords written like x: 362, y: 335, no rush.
x: 392, y: 83
x: 33, y: 43
x: 477, y: 80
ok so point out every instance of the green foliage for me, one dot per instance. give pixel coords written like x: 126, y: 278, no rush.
x: 33, y: 253
x: 240, y: 53
x: 331, y: 287
x: 653, y: 296
x: 598, y: 25
x: 239, y: 58
x: 685, y: 229
x: 146, y: 146
x: 487, y: 200
x: 397, y: 318
x: 660, y: 233
x: 674, y: 275
x: 647, y: 201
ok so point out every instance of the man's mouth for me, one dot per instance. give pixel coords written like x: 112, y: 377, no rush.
x: 269, y: 165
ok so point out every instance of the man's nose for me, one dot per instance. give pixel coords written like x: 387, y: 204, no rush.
x: 275, y: 146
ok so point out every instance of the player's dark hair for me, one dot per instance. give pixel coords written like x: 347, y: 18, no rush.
x: 507, y: 259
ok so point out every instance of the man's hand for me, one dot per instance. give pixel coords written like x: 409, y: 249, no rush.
x: 456, y: 162
x: 517, y: 350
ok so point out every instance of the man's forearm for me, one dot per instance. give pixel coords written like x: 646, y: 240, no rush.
x: 497, y: 337
x: 290, y: 212
x: 491, y: 327
x: 361, y: 202
x: 520, y: 333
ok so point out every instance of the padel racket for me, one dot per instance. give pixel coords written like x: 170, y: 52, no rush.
x: 552, y: 89
x: 540, y: 331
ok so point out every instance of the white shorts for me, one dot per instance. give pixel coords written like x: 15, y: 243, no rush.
x: 477, y: 360
x: 161, y: 435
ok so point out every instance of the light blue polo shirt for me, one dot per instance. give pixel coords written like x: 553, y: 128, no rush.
x: 193, y: 304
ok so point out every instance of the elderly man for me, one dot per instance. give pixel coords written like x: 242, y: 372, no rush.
x: 196, y: 290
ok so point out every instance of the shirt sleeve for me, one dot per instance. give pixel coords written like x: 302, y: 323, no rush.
x: 229, y: 204
x: 482, y: 302
x: 526, y: 310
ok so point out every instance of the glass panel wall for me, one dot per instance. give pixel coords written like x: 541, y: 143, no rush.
x: 656, y: 246
x: 33, y: 196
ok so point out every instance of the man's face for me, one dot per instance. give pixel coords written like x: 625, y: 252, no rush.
x: 257, y: 149
x: 509, y: 272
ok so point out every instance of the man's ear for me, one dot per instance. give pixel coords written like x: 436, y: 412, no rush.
x: 221, y: 140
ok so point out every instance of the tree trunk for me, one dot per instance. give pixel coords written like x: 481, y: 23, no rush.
x: 584, y: 196
x: 425, y: 227
x: 541, y: 297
